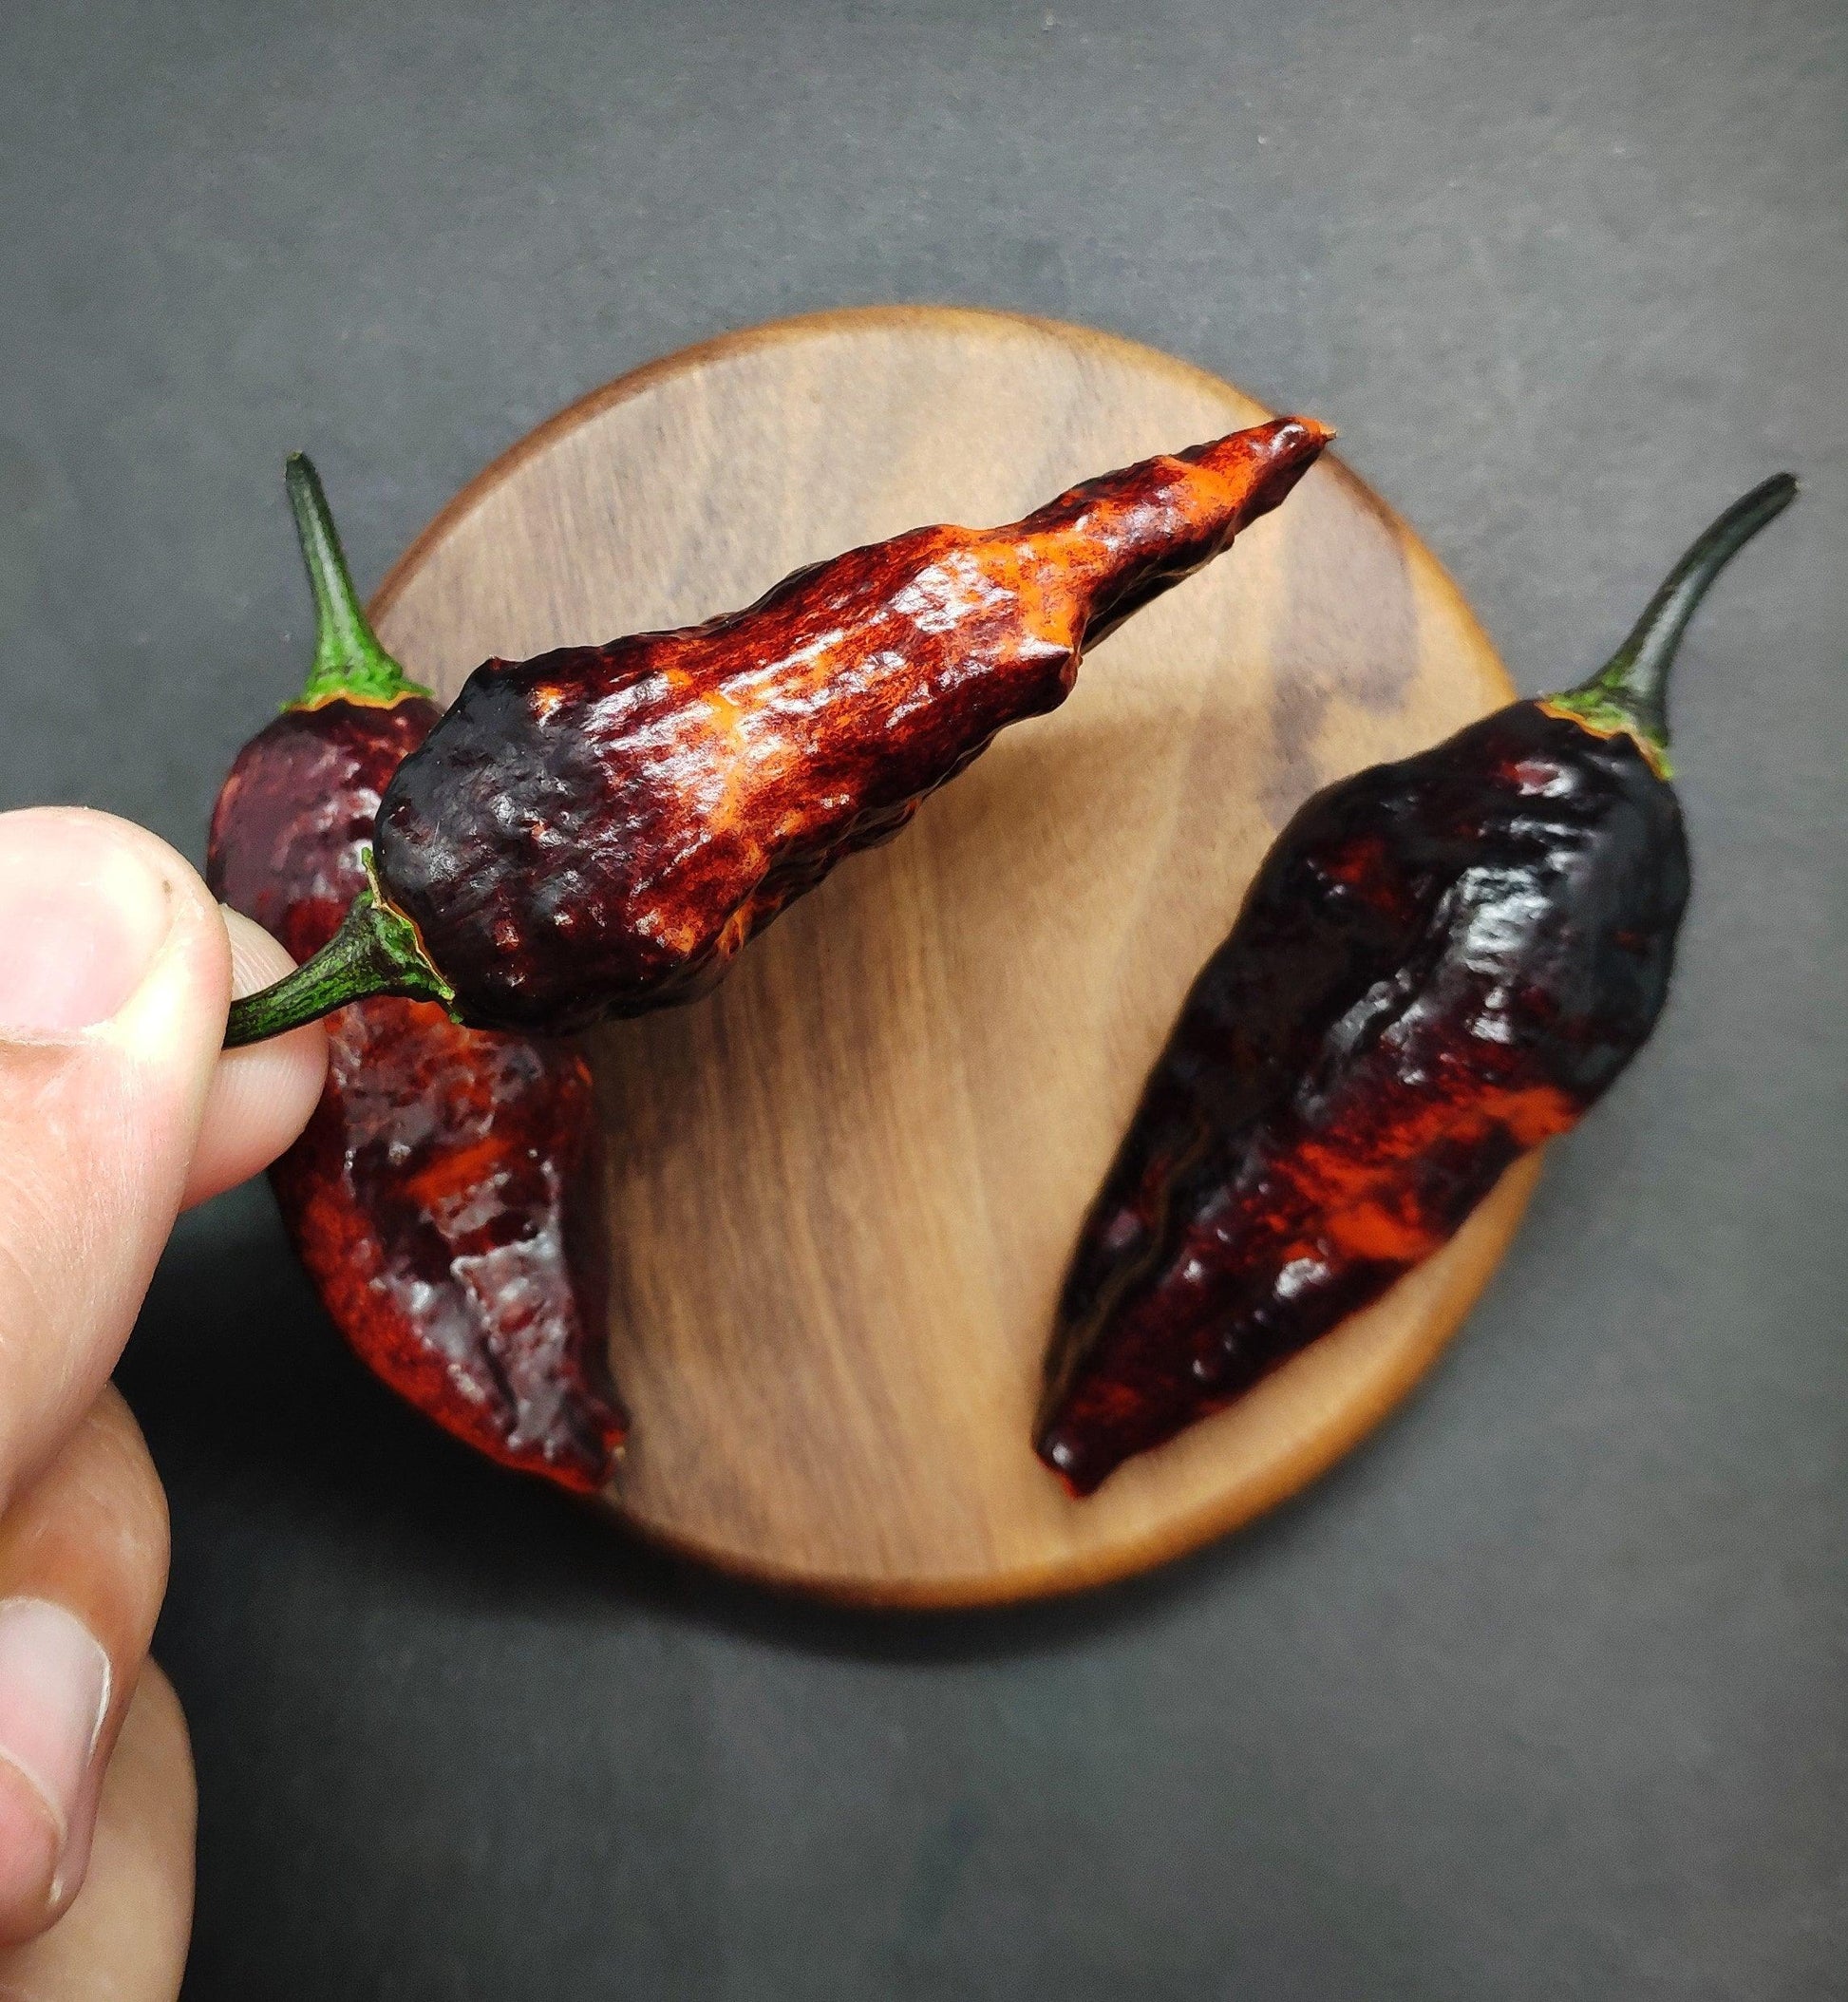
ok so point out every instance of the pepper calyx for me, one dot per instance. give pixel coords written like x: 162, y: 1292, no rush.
x: 1604, y: 716
x: 376, y: 950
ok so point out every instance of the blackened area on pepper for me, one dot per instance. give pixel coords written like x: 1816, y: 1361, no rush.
x: 1441, y: 962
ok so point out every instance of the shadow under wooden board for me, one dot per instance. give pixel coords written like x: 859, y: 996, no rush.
x: 842, y: 1188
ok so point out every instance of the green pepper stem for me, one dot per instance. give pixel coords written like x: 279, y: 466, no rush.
x: 374, y: 951
x: 349, y: 660
x: 1630, y: 691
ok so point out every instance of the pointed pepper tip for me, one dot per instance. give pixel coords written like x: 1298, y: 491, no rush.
x: 1317, y: 433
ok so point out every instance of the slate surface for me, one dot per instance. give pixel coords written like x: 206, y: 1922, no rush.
x: 1542, y: 1694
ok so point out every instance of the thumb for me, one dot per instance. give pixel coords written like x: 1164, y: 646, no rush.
x: 115, y: 972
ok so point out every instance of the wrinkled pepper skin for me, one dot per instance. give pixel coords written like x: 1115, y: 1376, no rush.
x: 598, y: 831
x: 445, y: 1195
x: 1441, y: 964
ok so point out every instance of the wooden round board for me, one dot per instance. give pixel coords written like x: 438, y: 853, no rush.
x: 842, y: 1189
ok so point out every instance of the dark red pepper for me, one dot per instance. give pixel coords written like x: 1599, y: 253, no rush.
x: 598, y: 831
x: 1440, y: 963
x: 445, y: 1194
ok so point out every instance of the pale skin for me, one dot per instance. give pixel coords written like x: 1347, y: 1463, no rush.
x: 118, y: 1109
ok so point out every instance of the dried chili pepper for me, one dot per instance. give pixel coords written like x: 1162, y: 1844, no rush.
x: 598, y: 831
x: 1441, y: 963
x: 443, y: 1196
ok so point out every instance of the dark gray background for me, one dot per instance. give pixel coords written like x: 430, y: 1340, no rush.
x: 1542, y: 1694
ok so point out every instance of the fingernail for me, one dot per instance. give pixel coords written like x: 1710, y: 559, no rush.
x: 54, y: 1692
x: 82, y: 913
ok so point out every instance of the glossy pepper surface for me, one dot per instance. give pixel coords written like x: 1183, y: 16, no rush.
x: 599, y: 830
x: 1441, y: 963
x: 444, y: 1197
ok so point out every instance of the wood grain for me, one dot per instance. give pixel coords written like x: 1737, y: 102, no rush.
x: 842, y: 1188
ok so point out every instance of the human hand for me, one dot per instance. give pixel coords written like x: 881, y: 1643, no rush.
x: 116, y: 1110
